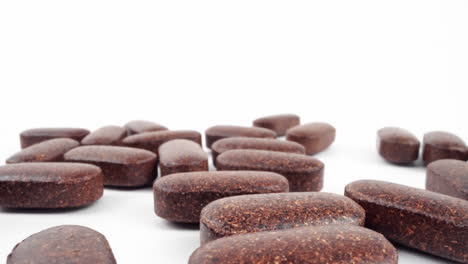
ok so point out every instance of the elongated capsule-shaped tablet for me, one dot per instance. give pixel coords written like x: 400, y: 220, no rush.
x: 397, y: 145
x: 108, y: 135
x: 215, y: 133
x: 36, y: 135
x: 448, y: 177
x: 315, y: 137
x: 45, y: 151
x: 181, y: 155
x: 142, y: 126
x: 443, y: 145
x: 278, y: 123
x: 152, y: 140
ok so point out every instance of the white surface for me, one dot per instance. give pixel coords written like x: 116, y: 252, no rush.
x: 359, y: 65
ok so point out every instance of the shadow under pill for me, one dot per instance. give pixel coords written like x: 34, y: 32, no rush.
x: 182, y: 226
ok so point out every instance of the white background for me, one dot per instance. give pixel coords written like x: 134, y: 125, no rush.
x: 359, y: 65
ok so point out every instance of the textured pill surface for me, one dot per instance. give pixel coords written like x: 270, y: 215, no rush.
x: 344, y: 244
x: 45, y: 151
x: 49, y: 185
x: 269, y: 144
x: 215, y: 133
x: 36, y: 135
x: 69, y: 244
x: 142, y: 126
x: 121, y: 166
x: 397, y: 145
x: 304, y: 173
x: 420, y: 219
x: 108, y: 135
x: 278, y: 123
x: 180, y: 197
x: 265, y: 212
x: 443, y: 145
x: 449, y: 177
x: 181, y: 155
x: 315, y: 137
x: 152, y: 140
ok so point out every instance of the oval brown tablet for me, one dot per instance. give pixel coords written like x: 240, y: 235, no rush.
x: 108, y: 135
x: 449, y: 177
x: 315, y: 137
x: 397, y: 145
x: 142, y: 126
x: 219, y: 132
x: 180, y: 197
x: 49, y: 185
x: 305, y: 245
x: 431, y: 222
x: 45, y: 151
x: 152, y: 140
x: 63, y: 244
x: 443, y: 145
x: 181, y: 155
x: 269, y: 144
x: 121, y: 166
x: 278, y: 123
x: 304, y: 173
x: 265, y: 212
x: 36, y: 135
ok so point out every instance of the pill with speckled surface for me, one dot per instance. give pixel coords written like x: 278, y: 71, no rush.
x: 265, y: 212
x: 304, y: 173
x: 32, y: 136
x: 431, y: 222
x: 215, y: 133
x: 344, y: 244
x: 443, y: 145
x: 45, y: 151
x: 121, y: 166
x: 449, y: 177
x: 269, y: 144
x: 315, y: 137
x: 278, y: 123
x: 108, y: 135
x: 70, y: 244
x: 142, y: 126
x: 181, y: 155
x: 152, y: 140
x: 49, y: 185
x: 397, y: 145
x: 180, y: 197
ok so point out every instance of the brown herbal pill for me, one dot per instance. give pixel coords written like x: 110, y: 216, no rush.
x: 397, y: 145
x: 45, y: 151
x: 269, y: 144
x: 278, y: 123
x: 108, y: 135
x: 304, y: 173
x: 180, y: 197
x: 443, y: 145
x: 63, y: 244
x: 36, y: 135
x: 49, y: 185
x: 431, y: 222
x: 315, y: 137
x: 181, y: 155
x: 152, y: 140
x: 306, y: 245
x: 219, y: 132
x: 141, y: 126
x: 449, y: 177
x: 265, y: 212
x: 121, y: 166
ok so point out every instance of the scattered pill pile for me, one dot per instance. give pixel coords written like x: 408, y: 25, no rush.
x: 262, y: 204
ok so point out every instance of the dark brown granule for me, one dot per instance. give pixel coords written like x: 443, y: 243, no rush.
x: 181, y: 155
x: 180, y: 197
x: 278, y: 123
x: 121, y: 166
x: 306, y: 245
x: 266, y: 212
x: 49, y: 185
x: 45, y: 151
x: 108, y: 135
x: 315, y: 137
x: 420, y: 219
x: 68, y: 244
x: 443, y: 145
x: 152, y: 140
x: 142, y: 126
x: 36, y: 135
x: 397, y: 145
x: 304, y: 173
x: 215, y: 133
x: 449, y: 177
